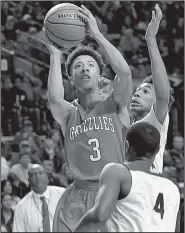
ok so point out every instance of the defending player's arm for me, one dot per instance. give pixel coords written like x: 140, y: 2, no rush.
x: 59, y: 107
x: 159, y: 74
x: 122, y: 88
x: 111, y: 180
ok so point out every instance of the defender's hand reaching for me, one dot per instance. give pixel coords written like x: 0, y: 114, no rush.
x: 154, y: 23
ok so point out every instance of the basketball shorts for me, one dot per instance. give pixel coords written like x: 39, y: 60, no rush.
x: 77, y: 199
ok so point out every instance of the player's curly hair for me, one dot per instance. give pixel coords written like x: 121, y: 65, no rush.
x: 172, y: 99
x: 144, y: 138
x: 84, y: 50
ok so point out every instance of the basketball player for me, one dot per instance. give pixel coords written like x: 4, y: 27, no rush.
x: 93, y: 126
x: 131, y: 198
x: 152, y: 99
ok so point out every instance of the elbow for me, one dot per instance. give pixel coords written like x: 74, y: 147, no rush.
x: 54, y: 98
x: 126, y: 73
x: 102, y: 215
x: 163, y: 97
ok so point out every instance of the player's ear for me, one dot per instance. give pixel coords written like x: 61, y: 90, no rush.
x: 71, y: 80
x: 99, y: 78
x: 126, y: 146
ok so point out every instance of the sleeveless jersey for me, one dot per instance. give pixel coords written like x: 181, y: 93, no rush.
x: 94, y: 139
x: 151, y: 206
x: 163, y: 130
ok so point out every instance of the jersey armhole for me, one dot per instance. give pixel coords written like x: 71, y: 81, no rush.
x: 162, y: 126
x: 122, y: 197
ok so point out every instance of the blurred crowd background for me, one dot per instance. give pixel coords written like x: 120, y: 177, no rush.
x: 29, y: 132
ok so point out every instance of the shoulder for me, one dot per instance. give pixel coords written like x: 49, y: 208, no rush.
x: 115, y: 170
x: 171, y: 187
x: 152, y: 119
x: 15, y: 167
x: 57, y: 190
x: 23, y: 203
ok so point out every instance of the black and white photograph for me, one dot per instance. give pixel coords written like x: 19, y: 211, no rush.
x: 92, y: 116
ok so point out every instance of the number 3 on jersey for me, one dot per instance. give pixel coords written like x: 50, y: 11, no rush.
x: 96, y: 148
x: 159, y: 205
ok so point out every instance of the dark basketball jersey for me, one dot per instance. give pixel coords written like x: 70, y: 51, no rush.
x: 93, y: 139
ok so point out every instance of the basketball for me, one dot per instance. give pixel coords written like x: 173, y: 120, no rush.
x: 64, y: 25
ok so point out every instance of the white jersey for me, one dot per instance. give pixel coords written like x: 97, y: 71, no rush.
x: 163, y: 130
x: 151, y: 206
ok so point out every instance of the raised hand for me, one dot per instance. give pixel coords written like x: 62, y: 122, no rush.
x: 51, y: 47
x: 153, y: 26
x: 90, y: 20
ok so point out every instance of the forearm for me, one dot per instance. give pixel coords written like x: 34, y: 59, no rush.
x: 55, y: 83
x: 117, y: 61
x: 89, y: 223
x: 159, y: 74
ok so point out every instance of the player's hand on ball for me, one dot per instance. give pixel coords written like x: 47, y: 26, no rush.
x: 52, y: 48
x: 154, y: 23
x: 90, y: 20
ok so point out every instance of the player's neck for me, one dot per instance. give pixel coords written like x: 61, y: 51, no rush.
x: 39, y: 191
x: 139, y: 115
x: 88, y: 100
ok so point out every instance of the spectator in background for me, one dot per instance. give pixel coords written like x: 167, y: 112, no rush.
x: 128, y: 42
x: 4, y: 164
x: 21, y: 169
x: 29, y: 84
x: 7, y: 214
x: 29, y: 216
x: 7, y: 102
x: 20, y: 97
x: 3, y: 228
x: 27, y: 133
x: 23, y: 147
x: 7, y: 188
x: 19, y: 189
x: 48, y: 152
x: 57, y: 139
x: 4, y: 168
x: 54, y: 179
x: 56, y: 125
x: 9, y: 29
x: 5, y: 12
x: 44, y: 127
x: 24, y: 24
x: 178, y: 147
x: 177, y: 154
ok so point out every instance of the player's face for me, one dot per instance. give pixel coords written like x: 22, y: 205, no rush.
x: 85, y: 71
x: 143, y: 98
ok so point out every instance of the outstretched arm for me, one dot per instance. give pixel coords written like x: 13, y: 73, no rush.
x: 111, y: 180
x: 159, y: 74
x: 59, y: 107
x: 123, y: 81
